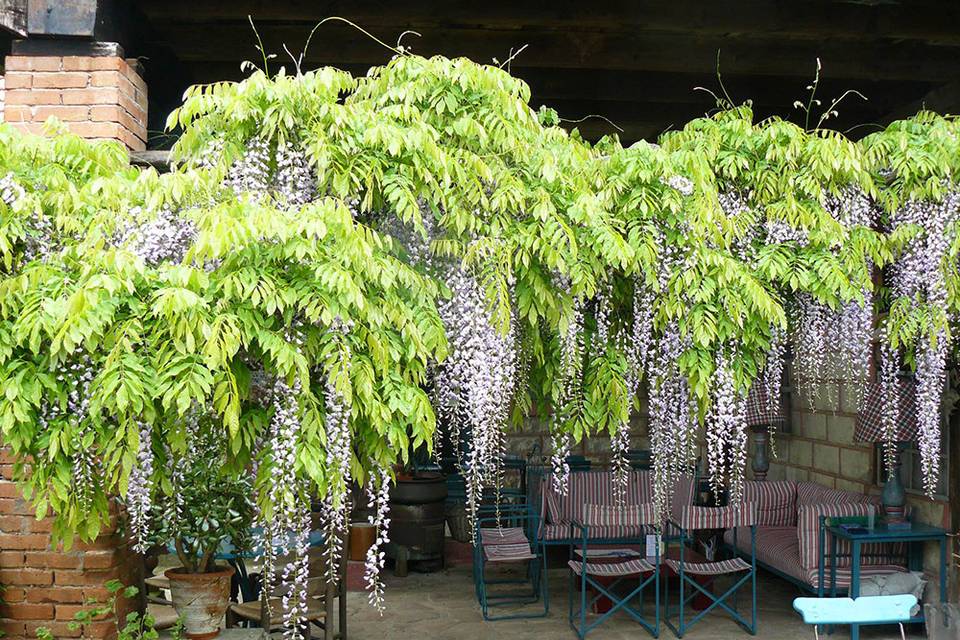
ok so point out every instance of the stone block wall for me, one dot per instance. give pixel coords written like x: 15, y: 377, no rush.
x: 101, y: 98
x: 820, y: 448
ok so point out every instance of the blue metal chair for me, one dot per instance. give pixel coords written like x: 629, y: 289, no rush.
x: 596, y: 563
x: 509, y: 537
x: 863, y: 610
x: 695, y: 518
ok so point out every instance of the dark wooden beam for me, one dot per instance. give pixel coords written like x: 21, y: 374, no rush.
x: 753, y: 54
x: 944, y: 99
x: 930, y: 21
x: 13, y: 17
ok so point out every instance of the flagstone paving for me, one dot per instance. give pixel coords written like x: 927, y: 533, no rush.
x: 441, y: 606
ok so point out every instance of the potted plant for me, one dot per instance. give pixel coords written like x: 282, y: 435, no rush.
x: 202, y: 511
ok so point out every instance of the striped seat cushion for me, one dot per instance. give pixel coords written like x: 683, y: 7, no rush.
x: 808, y: 536
x: 626, y: 516
x: 779, y: 548
x: 718, y: 568
x: 694, y: 518
x: 776, y: 547
x: 508, y: 552
x: 592, y: 488
x: 776, y: 502
x: 813, y: 493
x: 505, y: 535
x: 612, y: 569
x: 610, y: 532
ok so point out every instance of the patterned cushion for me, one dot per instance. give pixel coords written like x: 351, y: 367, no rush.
x: 625, y: 516
x: 592, y: 487
x: 508, y: 552
x: 609, y: 532
x: 776, y: 502
x: 813, y: 493
x: 693, y: 518
x: 505, y: 535
x: 808, y: 535
x: 734, y: 565
x: 627, y: 568
x: 776, y: 547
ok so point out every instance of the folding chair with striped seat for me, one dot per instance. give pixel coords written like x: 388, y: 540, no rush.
x: 507, y: 538
x: 617, y: 564
x: 695, y: 518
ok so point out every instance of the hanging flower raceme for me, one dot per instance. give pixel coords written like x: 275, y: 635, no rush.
x: 918, y: 276
x: 569, y: 398
x: 339, y: 452
x: 286, y: 530
x: 672, y: 423
x: 378, y: 496
x: 165, y: 238
x: 726, y: 432
x: 475, y: 383
x: 140, y: 489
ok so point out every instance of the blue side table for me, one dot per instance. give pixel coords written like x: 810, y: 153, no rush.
x: 914, y: 537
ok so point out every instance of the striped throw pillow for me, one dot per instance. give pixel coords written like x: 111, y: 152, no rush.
x: 601, y: 515
x: 776, y: 502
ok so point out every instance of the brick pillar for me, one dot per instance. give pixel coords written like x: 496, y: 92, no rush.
x: 96, y: 97
x: 44, y: 587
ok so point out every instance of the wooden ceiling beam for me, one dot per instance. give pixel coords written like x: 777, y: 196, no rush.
x: 933, y: 22
x: 748, y: 54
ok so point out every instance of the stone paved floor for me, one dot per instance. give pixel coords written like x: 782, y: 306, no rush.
x: 441, y: 606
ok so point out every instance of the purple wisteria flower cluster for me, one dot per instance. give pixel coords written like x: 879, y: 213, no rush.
x: 140, y: 490
x: 77, y: 374
x: 837, y: 341
x: 165, y: 238
x: 570, y: 374
x: 378, y: 493
x: 285, y: 536
x: 249, y: 175
x: 475, y: 383
x: 726, y: 431
x: 339, y: 451
x: 672, y: 420
x: 295, y: 182
x: 919, y: 274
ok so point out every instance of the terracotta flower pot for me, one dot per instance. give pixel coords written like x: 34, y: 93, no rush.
x: 362, y: 536
x: 201, y: 599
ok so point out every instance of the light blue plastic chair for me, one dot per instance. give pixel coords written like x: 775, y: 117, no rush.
x: 863, y: 610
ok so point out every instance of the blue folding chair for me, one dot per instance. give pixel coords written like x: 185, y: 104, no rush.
x: 619, y: 564
x: 863, y: 610
x: 695, y: 518
x: 509, y: 537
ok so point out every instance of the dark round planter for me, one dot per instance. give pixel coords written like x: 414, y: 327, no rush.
x: 422, y: 488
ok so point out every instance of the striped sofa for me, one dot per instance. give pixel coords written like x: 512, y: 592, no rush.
x: 588, y: 489
x: 788, y: 533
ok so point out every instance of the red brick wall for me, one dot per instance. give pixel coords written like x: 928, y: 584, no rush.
x: 44, y: 587
x: 95, y: 97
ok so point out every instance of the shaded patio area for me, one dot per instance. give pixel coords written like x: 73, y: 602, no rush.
x: 441, y: 605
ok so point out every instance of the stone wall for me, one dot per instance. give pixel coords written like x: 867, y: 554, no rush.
x: 820, y: 448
